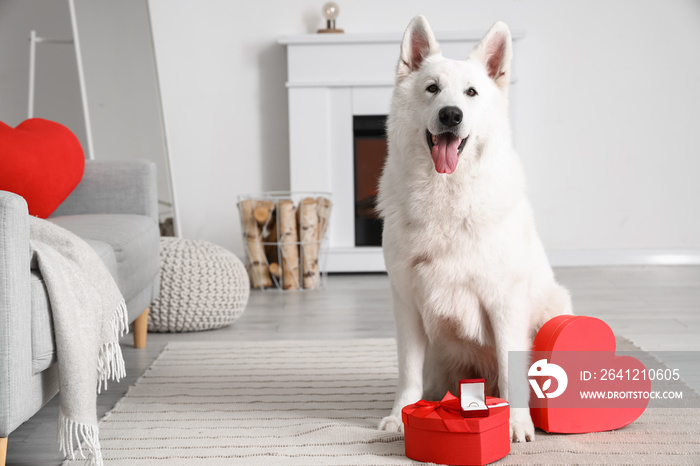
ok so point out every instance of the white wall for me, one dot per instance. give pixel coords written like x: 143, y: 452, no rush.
x: 119, y: 71
x: 57, y: 90
x: 606, y: 115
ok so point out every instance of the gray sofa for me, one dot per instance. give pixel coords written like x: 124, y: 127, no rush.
x: 115, y: 210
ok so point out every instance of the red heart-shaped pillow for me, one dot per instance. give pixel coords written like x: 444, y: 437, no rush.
x: 42, y: 161
x: 584, y: 348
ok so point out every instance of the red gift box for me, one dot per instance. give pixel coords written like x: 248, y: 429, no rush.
x: 436, y: 432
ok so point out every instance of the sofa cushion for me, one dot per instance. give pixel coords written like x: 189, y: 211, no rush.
x: 43, y: 343
x: 134, y: 239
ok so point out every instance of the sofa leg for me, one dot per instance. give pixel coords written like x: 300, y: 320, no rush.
x: 140, y: 330
x: 3, y: 451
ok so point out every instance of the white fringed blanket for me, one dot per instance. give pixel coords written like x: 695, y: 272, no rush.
x: 89, y: 317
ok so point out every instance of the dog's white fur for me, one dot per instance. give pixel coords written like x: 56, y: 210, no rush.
x: 469, y: 276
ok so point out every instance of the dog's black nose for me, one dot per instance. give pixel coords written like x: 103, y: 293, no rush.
x: 450, y: 116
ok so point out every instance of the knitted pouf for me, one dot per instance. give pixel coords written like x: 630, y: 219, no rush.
x: 202, y: 286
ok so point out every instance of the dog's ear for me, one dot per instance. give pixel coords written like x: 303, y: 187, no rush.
x: 418, y: 44
x: 495, y: 51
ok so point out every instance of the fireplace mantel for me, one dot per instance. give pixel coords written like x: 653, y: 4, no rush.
x: 331, y: 78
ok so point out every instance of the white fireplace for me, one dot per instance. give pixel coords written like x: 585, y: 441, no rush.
x: 332, y: 78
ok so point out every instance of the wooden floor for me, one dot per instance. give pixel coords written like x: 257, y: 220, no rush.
x: 656, y: 307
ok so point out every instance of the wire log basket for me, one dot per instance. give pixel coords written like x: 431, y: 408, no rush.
x: 284, y: 237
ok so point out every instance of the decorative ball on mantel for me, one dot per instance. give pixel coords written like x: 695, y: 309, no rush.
x: 202, y: 287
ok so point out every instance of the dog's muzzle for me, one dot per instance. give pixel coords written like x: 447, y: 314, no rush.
x: 445, y: 149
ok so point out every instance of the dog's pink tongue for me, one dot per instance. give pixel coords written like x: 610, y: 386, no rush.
x: 445, y: 153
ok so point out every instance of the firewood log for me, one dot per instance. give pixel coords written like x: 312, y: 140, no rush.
x: 263, y: 211
x: 308, y: 224
x: 271, y: 239
x: 323, y: 207
x: 257, y: 262
x: 275, y: 269
x: 289, y: 239
x: 273, y: 251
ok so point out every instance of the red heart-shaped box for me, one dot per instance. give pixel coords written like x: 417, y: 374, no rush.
x: 436, y: 432
x: 42, y: 161
x: 585, y: 348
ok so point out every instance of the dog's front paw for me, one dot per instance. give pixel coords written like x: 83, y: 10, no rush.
x: 391, y: 424
x: 521, y: 427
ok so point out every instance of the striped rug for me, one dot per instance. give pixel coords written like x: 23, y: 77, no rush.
x: 308, y: 403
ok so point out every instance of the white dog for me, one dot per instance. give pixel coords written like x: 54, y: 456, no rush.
x: 469, y: 276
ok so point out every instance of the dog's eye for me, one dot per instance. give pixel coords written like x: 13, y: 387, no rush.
x: 433, y: 88
x: 471, y: 92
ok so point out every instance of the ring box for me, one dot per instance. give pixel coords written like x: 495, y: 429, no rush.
x: 472, y: 398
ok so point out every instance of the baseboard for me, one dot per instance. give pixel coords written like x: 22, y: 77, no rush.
x: 358, y: 259
x: 603, y: 257
x: 370, y: 259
